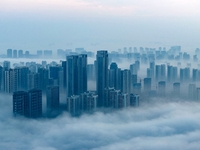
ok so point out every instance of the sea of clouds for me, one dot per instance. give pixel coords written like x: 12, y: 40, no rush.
x: 153, y: 126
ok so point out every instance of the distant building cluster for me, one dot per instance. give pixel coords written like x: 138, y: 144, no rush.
x: 47, y: 54
x: 115, y: 87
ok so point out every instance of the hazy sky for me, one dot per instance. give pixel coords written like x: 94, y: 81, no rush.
x: 52, y: 24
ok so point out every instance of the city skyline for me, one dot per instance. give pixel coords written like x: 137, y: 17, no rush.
x: 100, y: 74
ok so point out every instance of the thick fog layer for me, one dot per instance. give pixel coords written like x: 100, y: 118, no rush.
x: 154, y: 126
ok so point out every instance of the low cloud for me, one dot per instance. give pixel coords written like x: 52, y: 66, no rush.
x: 157, y: 125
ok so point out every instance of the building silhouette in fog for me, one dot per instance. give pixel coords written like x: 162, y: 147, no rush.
x: 14, y: 53
x: 9, y: 53
x: 35, y: 103
x: 73, y: 105
x: 11, y: 81
x: 147, y: 85
x: 52, y: 96
x: 134, y: 100
x: 28, y: 104
x: 20, y: 103
x: 176, y: 89
x: 161, y: 88
x: 102, y: 75
x: 76, y: 74
x: 192, y: 91
x: 20, y: 54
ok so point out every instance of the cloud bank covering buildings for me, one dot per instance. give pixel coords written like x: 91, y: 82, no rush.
x: 159, y: 125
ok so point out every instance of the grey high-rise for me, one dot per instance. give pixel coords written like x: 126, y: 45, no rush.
x: 20, y: 103
x: 52, y: 96
x: 35, y: 103
x: 82, y: 73
x: 76, y: 74
x: 102, y: 75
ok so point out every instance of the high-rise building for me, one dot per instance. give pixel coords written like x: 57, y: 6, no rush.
x: 52, y: 95
x: 6, y: 65
x: 39, y: 53
x: 9, y: 53
x: 11, y: 81
x: 113, y: 98
x: 107, y: 94
x: 27, y: 54
x: 82, y: 73
x: 91, y: 71
x: 171, y: 73
x: 195, y: 75
x: 33, y: 81
x: 113, y: 75
x: 14, y: 53
x: 35, y: 103
x: 72, y: 75
x: 88, y: 101
x: 47, y: 53
x: 158, y: 72
x: 73, y: 105
x: 102, y: 75
x: 64, y: 65
x: 20, y: 54
x: 163, y: 72
x: 176, y: 89
x: 134, y: 68
x: 152, y: 68
x: 23, y: 78
x: 198, y: 94
x: 161, y: 88
x: 126, y: 81
x: 192, y: 91
x: 184, y: 74
x: 134, y: 100
x: 21, y: 103
x: 28, y: 104
x: 147, y: 85
x: 123, y: 100
x: 76, y: 74
x: 44, y: 78
x: 137, y: 88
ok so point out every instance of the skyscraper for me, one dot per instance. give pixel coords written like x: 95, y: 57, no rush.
x: 20, y: 103
x: 176, y: 89
x: 11, y: 81
x: 6, y: 65
x: 64, y: 65
x: 73, y: 105
x: 102, y: 75
x: 23, y: 78
x: 9, y: 53
x: 82, y: 73
x: 161, y: 88
x: 134, y: 100
x: 76, y: 74
x: 52, y: 95
x: 44, y: 78
x: 35, y: 103
x: 147, y: 85
x: 192, y: 91
x: 33, y: 81
x: 28, y: 104
x: 113, y: 75
x: 20, y: 54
